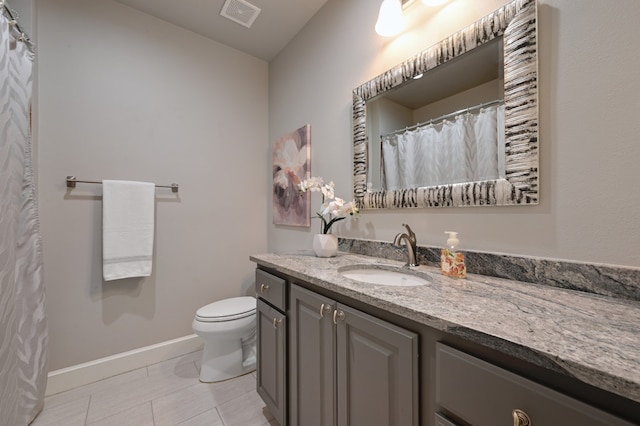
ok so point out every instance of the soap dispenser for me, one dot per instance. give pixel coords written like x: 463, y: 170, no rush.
x: 451, y: 260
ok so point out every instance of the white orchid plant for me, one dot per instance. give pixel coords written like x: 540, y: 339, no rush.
x: 333, y: 209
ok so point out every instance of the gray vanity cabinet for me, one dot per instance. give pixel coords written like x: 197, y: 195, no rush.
x: 348, y: 368
x: 482, y: 394
x: 271, y: 330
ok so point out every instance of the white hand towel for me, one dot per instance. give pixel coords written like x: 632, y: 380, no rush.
x: 127, y: 229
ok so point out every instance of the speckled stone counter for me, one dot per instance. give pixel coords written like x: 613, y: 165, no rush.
x: 592, y: 338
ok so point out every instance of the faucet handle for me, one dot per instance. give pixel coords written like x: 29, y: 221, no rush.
x: 412, y: 234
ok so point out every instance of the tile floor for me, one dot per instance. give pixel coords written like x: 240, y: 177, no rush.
x: 164, y: 394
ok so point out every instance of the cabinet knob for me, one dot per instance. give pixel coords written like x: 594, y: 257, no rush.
x: 264, y: 288
x: 276, y: 322
x: 324, y: 309
x: 338, y: 315
x: 520, y: 418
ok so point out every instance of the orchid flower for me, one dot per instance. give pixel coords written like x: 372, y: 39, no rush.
x: 333, y: 209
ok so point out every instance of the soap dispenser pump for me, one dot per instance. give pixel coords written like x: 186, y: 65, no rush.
x: 452, y: 260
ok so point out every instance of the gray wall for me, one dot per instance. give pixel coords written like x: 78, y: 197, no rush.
x: 122, y: 95
x: 589, y: 94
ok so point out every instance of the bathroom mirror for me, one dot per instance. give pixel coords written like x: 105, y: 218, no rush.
x: 490, y: 65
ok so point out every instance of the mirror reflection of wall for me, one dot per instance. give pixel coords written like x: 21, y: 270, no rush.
x: 384, y: 116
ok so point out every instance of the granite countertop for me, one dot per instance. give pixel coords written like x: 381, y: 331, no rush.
x: 592, y: 338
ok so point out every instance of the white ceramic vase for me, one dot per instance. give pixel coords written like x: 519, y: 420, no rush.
x: 325, y: 245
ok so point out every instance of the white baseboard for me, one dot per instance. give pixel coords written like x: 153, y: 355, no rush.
x: 89, y: 372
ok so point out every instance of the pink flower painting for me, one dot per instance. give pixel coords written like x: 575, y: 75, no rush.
x: 292, y: 165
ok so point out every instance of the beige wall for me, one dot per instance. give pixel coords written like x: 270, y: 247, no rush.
x: 589, y: 135
x: 121, y: 95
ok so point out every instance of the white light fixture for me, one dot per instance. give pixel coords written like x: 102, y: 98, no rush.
x: 390, y: 19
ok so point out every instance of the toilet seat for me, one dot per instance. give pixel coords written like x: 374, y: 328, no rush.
x: 227, y: 310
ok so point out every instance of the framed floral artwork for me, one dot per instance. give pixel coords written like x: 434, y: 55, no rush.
x: 292, y: 165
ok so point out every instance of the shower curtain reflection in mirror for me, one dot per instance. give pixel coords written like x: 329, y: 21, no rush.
x: 467, y: 148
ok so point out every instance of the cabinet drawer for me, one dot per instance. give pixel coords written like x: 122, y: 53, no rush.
x: 271, y: 288
x: 483, y: 394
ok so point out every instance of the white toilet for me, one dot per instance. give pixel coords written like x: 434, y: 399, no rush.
x: 228, y: 328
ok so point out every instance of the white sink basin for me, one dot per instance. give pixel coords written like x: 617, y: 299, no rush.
x: 391, y: 277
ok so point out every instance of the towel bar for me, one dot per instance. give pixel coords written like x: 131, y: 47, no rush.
x: 72, y: 180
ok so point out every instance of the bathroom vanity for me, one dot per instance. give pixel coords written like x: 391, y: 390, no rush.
x: 345, y: 364
x: 480, y: 351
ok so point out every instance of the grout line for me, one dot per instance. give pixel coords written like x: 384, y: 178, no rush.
x: 86, y: 414
x: 153, y: 416
x: 219, y: 415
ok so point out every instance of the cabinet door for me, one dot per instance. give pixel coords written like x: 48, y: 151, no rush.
x: 377, y: 367
x: 311, y: 359
x: 271, y: 366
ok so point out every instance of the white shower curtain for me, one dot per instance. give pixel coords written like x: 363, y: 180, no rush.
x: 23, y: 332
x: 468, y: 148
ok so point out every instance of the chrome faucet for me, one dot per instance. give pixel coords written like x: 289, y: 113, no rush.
x: 410, y: 242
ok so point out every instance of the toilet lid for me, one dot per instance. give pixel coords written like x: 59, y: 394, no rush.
x: 227, y: 309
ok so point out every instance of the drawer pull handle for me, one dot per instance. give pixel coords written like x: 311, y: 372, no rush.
x: 324, y: 309
x: 338, y: 315
x: 264, y: 288
x: 276, y: 322
x: 520, y: 418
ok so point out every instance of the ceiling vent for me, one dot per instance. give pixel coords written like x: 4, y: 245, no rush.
x: 240, y: 11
